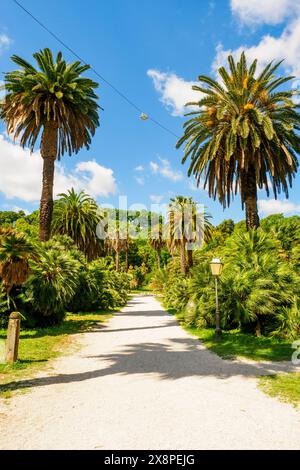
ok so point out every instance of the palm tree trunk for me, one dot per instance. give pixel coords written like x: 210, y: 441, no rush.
x: 190, y: 261
x: 117, y: 260
x: 258, y: 328
x: 182, y: 258
x: 158, y: 258
x: 126, y: 258
x: 48, y: 152
x: 252, y: 218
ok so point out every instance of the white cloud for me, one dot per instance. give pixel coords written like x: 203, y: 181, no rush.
x: 154, y: 167
x: 253, y: 12
x: 174, y: 91
x: 21, y: 173
x: 14, y: 208
x: 140, y: 180
x: 286, y: 46
x: 156, y: 198
x: 139, y: 168
x: 96, y: 179
x: 273, y: 206
x: 5, y: 42
x: 164, y: 169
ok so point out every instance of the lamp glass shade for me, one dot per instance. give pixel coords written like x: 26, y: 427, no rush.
x: 216, y: 267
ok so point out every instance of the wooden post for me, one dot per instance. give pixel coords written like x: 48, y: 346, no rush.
x: 13, y: 334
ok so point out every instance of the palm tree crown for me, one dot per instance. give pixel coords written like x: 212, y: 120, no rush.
x: 187, y: 227
x: 55, y: 102
x: 77, y: 215
x: 243, y: 134
x: 54, y: 92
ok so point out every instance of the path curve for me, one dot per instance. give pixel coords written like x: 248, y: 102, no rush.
x: 142, y: 382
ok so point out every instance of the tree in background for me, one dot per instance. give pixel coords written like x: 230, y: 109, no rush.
x: 243, y: 135
x: 187, y: 228
x: 9, y: 218
x: 77, y: 215
x: 156, y: 239
x: 53, y: 101
x: 117, y: 238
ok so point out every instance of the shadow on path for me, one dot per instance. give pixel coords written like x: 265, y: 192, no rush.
x: 175, y: 359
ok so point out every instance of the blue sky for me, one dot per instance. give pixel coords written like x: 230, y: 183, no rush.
x: 152, y: 52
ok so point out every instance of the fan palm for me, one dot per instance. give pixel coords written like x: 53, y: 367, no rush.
x: 51, y: 286
x: 15, y: 253
x: 77, y: 215
x: 266, y: 283
x: 55, y: 102
x: 243, y: 135
x: 187, y: 228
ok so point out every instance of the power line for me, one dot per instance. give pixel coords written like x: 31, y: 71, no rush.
x: 113, y: 87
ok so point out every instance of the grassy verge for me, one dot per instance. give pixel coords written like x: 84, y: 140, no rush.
x: 38, y: 346
x: 236, y: 344
x: 286, y: 387
x: 142, y: 290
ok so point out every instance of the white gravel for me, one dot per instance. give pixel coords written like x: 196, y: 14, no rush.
x: 142, y: 382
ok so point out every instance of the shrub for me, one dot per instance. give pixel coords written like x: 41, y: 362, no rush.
x: 99, y: 287
x: 50, y: 287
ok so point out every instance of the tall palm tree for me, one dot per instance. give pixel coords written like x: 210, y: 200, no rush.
x: 55, y: 102
x: 117, y: 238
x: 243, y: 134
x: 77, y: 215
x: 156, y: 239
x: 187, y: 227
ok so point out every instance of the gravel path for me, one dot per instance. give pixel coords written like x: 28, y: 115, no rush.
x: 142, y: 383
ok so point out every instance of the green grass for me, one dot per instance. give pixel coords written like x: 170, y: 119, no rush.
x: 142, y: 290
x: 236, y: 344
x: 38, y: 346
x: 286, y: 387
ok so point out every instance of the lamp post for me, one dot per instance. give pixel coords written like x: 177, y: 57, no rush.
x: 216, y: 267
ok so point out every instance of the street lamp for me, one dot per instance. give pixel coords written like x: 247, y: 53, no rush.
x: 216, y: 267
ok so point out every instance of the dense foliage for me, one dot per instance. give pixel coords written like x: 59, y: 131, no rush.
x: 55, y: 278
x: 259, y: 286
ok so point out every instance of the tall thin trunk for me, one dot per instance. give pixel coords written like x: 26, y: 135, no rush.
x: 126, y: 258
x: 48, y: 153
x: 117, y: 250
x: 252, y: 218
x: 158, y: 258
x: 258, y: 327
x: 190, y: 261
x: 117, y: 259
x: 182, y: 258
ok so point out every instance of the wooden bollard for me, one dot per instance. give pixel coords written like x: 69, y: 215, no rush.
x: 13, y: 334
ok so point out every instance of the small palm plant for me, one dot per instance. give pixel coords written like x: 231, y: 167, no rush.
x: 77, y: 215
x: 55, y: 102
x: 259, y: 283
x: 243, y: 134
x: 15, y: 253
x: 51, y: 286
